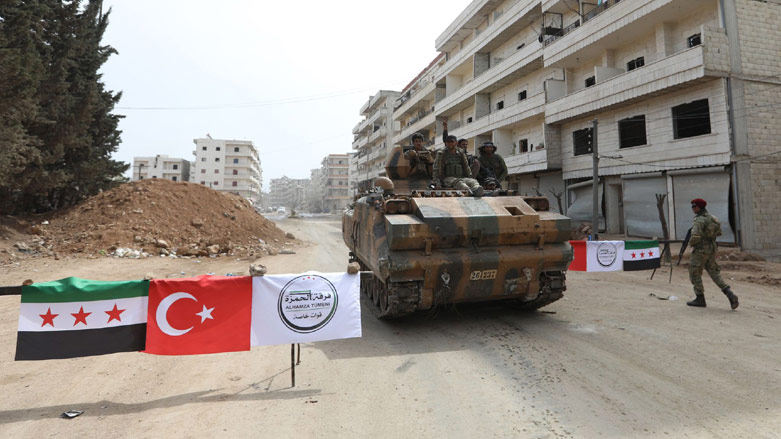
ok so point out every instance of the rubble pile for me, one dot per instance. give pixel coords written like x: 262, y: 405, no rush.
x: 158, y: 217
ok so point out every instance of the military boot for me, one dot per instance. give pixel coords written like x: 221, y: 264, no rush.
x: 698, y: 301
x: 733, y: 299
x: 477, y: 193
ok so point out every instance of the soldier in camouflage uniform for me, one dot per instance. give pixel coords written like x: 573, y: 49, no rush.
x: 704, y: 232
x: 492, y: 161
x: 420, y: 158
x: 452, y: 168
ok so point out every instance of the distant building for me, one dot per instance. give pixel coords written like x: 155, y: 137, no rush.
x: 161, y: 166
x: 373, y: 136
x: 336, y: 175
x: 314, y: 193
x: 413, y: 111
x: 229, y: 166
x: 287, y: 192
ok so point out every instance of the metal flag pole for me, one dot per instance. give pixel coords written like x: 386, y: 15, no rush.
x: 293, y: 365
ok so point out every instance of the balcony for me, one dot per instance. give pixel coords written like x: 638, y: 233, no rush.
x: 513, y: 20
x: 612, y: 24
x: 421, y: 94
x: 360, y: 142
x: 465, y: 23
x: 666, y: 75
x: 520, y: 64
x: 425, y: 121
x: 377, y: 134
x: 530, y: 107
x: 533, y: 161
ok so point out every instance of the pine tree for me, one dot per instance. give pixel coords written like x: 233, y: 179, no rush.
x: 64, y: 141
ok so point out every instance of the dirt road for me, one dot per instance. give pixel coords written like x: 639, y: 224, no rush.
x: 608, y: 361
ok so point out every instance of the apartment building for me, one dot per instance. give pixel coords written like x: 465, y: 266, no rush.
x: 287, y: 192
x: 680, y: 96
x: 229, y: 166
x: 413, y: 110
x: 160, y: 166
x: 373, y: 136
x: 314, y: 192
x: 336, y: 181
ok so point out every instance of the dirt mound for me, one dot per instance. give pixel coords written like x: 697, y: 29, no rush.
x: 158, y: 216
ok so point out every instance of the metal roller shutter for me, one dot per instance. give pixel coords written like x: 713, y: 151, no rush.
x: 642, y: 216
x: 713, y: 187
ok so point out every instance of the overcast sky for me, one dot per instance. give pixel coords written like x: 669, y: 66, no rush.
x: 290, y: 76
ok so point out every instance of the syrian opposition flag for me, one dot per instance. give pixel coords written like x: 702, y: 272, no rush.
x: 77, y: 318
x: 305, y: 308
x: 641, y: 255
x: 201, y: 315
x: 597, y: 255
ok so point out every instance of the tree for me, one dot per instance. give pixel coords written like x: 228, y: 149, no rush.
x: 60, y: 129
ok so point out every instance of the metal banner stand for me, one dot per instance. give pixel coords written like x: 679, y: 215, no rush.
x: 294, y: 362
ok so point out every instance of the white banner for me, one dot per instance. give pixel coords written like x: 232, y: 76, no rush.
x: 605, y: 255
x: 304, y: 308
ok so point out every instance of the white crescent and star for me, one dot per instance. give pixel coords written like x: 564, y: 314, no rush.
x: 162, y: 314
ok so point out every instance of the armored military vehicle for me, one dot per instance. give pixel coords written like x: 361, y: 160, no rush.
x: 421, y: 248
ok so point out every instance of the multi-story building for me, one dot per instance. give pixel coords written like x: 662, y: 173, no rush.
x: 314, y: 193
x: 685, y: 95
x: 287, y: 192
x: 373, y: 136
x: 413, y: 111
x: 336, y: 181
x: 161, y: 166
x: 229, y: 166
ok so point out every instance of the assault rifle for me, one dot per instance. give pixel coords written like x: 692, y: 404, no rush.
x: 684, y: 245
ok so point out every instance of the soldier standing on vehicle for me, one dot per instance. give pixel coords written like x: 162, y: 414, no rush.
x: 492, y: 161
x: 452, y: 168
x: 705, y: 230
x: 420, y: 158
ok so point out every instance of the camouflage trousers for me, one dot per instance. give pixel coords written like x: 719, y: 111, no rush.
x: 462, y: 184
x: 705, y: 258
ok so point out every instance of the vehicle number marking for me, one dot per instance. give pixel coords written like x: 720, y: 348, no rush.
x: 483, y: 275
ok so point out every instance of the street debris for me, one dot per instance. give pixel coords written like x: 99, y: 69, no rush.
x: 70, y: 414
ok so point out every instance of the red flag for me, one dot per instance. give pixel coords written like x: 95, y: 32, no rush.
x: 579, y: 250
x: 202, y: 315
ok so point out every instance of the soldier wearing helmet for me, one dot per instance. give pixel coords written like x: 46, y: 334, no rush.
x: 492, y: 161
x: 705, y: 230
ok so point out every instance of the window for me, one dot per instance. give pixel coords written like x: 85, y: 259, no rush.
x: 591, y: 80
x: 217, y: 148
x: 468, y: 120
x: 500, y: 105
x: 236, y: 149
x: 173, y: 178
x: 176, y: 167
x: 203, y: 183
x: 216, y: 171
x: 154, y: 176
x: 522, y: 96
x: 217, y: 159
x: 582, y: 141
x: 203, y: 171
x: 695, y: 40
x: 524, y: 145
x: 635, y: 64
x: 235, y: 183
x: 692, y: 119
x: 631, y: 132
x: 521, y: 46
x: 235, y: 172
x: 216, y: 183
x: 203, y: 159
x: 235, y: 160
x: 204, y: 148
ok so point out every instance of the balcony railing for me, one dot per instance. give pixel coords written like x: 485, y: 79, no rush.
x: 557, y: 35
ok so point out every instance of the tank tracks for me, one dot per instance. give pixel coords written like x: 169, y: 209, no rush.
x: 388, y: 300
x: 552, y: 287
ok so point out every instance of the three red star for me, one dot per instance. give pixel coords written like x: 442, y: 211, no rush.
x: 81, y: 316
x: 114, y: 314
x: 48, y: 318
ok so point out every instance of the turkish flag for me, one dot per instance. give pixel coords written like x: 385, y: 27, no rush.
x: 201, y: 315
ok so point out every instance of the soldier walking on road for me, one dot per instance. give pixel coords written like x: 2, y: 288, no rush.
x: 452, y: 168
x: 705, y: 230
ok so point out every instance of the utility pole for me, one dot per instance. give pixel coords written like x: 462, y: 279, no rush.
x: 595, y: 184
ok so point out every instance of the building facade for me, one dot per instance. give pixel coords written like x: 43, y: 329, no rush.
x: 373, y: 136
x: 336, y: 181
x: 681, y: 97
x: 228, y: 166
x: 287, y: 192
x: 413, y: 110
x: 161, y: 166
